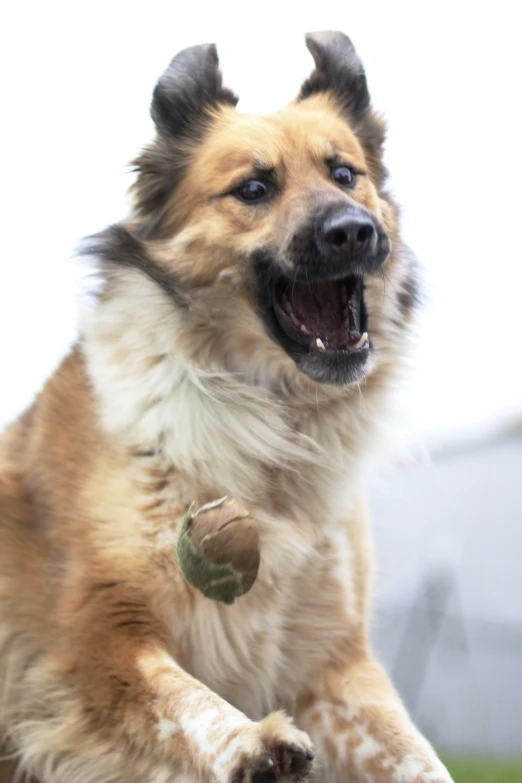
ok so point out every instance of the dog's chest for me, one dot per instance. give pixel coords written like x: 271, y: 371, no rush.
x: 261, y: 653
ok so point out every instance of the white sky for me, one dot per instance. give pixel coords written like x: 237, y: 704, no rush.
x: 76, y: 84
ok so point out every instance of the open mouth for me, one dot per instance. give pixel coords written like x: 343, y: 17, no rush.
x: 321, y: 324
x: 322, y: 316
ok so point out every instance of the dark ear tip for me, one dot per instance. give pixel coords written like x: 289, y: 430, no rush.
x: 211, y: 52
x: 327, y: 38
x: 190, y: 85
x: 199, y: 52
x: 338, y: 69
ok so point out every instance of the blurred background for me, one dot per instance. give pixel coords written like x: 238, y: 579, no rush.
x: 76, y: 81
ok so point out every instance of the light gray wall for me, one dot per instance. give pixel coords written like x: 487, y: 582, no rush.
x: 448, y: 595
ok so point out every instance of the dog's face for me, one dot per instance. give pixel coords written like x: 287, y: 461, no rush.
x: 272, y: 229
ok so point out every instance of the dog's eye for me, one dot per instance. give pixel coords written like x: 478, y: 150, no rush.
x: 344, y: 176
x: 252, y: 190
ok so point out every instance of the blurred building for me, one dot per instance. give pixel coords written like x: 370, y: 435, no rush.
x: 448, y: 619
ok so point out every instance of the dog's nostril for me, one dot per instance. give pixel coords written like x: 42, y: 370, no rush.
x: 336, y: 237
x: 364, y: 234
x: 346, y: 234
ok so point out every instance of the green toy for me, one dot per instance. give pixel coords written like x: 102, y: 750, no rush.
x: 218, y: 550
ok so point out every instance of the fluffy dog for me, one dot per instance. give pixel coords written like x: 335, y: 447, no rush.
x: 252, y: 315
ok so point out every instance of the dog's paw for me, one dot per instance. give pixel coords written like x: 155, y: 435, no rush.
x: 271, y: 751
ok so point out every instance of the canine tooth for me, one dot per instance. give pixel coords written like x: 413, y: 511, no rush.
x: 320, y: 344
x: 361, y: 341
x: 304, y: 329
x: 286, y: 304
x: 293, y: 318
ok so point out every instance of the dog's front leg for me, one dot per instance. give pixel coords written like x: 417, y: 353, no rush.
x: 209, y: 738
x: 118, y: 707
x: 361, y: 730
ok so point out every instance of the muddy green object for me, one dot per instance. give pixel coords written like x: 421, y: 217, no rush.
x: 218, y: 550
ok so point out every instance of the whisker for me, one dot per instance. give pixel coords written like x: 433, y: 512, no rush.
x: 383, y: 277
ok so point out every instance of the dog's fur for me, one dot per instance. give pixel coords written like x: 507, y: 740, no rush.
x: 112, y: 668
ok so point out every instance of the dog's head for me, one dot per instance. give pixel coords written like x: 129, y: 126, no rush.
x: 273, y: 233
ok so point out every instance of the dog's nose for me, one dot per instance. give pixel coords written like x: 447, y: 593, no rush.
x: 346, y: 233
x: 341, y: 239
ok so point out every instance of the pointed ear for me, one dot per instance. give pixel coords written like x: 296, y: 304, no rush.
x: 338, y: 70
x: 190, y: 87
x: 182, y: 103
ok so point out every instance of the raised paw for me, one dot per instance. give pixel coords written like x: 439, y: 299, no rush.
x: 272, y: 751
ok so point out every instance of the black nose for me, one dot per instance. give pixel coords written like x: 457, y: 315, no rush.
x: 347, y: 232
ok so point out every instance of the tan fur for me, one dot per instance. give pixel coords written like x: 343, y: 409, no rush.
x: 112, y: 668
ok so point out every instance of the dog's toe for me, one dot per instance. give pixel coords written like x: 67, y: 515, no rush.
x: 300, y: 761
x: 264, y: 776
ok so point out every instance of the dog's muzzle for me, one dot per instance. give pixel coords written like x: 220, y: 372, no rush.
x: 312, y: 298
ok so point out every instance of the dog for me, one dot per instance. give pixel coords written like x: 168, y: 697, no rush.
x: 251, y: 319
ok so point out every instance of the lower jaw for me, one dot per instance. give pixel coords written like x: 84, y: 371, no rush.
x: 335, y: 360
x: 337, y: 368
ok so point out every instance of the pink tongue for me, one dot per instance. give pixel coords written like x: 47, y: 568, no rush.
x: 318, y: 306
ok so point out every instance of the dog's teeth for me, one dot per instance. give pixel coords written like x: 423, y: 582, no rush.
x: 320, y: 344
x: 361, y: 341
x: 304, y: 329
x: 293, y: 318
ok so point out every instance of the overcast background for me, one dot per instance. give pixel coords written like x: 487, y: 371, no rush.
x: 76, y: 80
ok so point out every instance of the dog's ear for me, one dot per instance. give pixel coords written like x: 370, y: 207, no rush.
x: 182, y: 103
x: 340, y: 73
x: 338, y: 70
x: 190, y: 87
